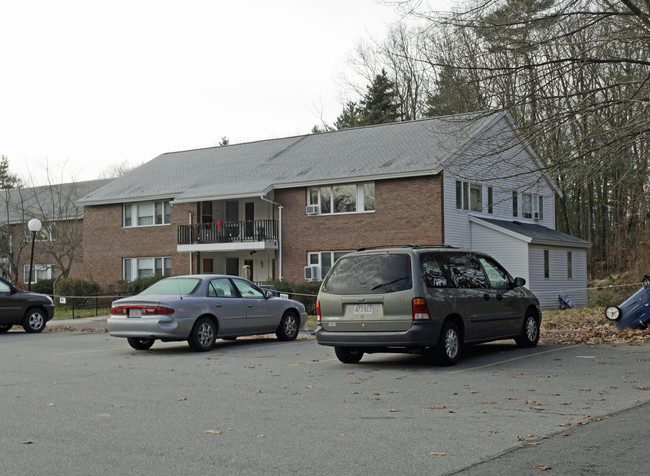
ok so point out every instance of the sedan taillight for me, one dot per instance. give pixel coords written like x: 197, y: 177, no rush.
x: 420, y: 310
x: 146, y: 310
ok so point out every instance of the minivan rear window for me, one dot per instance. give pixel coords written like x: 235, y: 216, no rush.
x: 370, y: 274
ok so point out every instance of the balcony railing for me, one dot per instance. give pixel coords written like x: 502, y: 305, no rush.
x: 228, y: 232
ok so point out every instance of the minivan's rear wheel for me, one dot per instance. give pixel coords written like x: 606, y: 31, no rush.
x: 140, y: 344
x: 529, y: 332
x: 34, y: 320
x: 449, y: 344
x: 203, y: 335
x: 288, y: 328
x: 348, y: 355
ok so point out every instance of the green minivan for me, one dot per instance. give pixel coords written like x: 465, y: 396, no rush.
x: 422, y: 299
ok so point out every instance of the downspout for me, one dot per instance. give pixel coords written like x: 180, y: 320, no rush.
x: 263, y: 197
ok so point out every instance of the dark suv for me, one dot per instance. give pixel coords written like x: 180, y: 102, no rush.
x: 31, y: 310
x: 422, y: 300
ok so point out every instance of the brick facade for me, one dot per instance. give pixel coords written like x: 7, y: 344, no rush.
x: 107, y: 242
x: 406, y: 211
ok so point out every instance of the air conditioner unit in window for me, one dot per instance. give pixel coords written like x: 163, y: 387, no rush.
x: 313, y: 210
x: 312, y: 272
x: 536, y: 215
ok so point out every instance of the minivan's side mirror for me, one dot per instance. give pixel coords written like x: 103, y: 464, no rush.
x: 519, y: 282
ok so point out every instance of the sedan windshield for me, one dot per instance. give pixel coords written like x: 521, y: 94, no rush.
x: 173, y: 286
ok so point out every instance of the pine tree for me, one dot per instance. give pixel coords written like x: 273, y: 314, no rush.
x: 380, y: 104
x: 7, y: 179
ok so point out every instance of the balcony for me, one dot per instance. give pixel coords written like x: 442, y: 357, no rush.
x: 223, y: 236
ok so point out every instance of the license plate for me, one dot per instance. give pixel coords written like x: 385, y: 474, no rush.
x: 363, y: 309
x: 135, y: 312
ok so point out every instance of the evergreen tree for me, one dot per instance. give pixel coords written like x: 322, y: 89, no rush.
x: 350, y: 117
x: 7, y: 179
x: 380, y: 104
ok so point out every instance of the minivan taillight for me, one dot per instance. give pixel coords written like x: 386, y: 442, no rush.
x: 318, y: 312
x: 420, y: 310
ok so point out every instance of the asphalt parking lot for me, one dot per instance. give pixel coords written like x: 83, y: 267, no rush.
x: 81, y: 403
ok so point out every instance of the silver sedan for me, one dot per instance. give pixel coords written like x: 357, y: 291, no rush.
x: 200, y: 308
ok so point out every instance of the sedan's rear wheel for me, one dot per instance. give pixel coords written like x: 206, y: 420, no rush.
x: 288, y: 328
x: 34, y: 320
x: 140, y: 344
x: 348, y: 355
x: 5, y: 328
x: 449, y: 344
x: 529, y: 332
x: 203, y: 335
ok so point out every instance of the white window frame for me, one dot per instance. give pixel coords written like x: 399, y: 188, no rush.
x: 527, y: 205
x: 47, y: 268
x: 315, y: 258
x: 464, y: 194
x: 360, y: 205
x: 134, y: 213
x: 131, y: 267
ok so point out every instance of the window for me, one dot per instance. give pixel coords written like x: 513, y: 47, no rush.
x: 134, y: 268
x: 526, y: 205
x: 348, y: 198
x: 370, y: 274
x: 40, y: 272
x: 490, y: 203
x: 569, y: 265
x: 540, y: 208
x: 247, y: 290
x: 547, y: 265
x: 325, y: 259
x: 221, y: 287
x: 435, y: 272
x: 476, y: 198
x: 515, y: 205
x: 497, y: 276
x: 467, y: 271
x: 469, y: 196
x: 147, y: 214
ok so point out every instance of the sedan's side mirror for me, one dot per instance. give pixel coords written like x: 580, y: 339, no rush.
x: 267, y: 294
x: 519, y: 282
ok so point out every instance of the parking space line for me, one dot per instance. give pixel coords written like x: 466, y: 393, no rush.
x: 515, y: 358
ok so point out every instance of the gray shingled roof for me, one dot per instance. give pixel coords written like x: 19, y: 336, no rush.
x: 55, y: 202
x: 537, y: 233
x: 241, y: 170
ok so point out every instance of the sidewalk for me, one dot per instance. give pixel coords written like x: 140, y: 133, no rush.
x: 98, y: 322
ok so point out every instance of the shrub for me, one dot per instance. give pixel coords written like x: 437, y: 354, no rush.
x: 303, y: 292
x: 45, y: 286
x: 78, y: 288
x: 136, y: 286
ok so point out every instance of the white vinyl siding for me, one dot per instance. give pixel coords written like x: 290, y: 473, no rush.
x: 548, y: 290
x: 510, y: 252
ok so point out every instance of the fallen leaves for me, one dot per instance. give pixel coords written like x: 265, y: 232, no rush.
x: 587, y: 326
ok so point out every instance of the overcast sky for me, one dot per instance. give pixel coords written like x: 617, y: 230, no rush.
x: 88, y: 84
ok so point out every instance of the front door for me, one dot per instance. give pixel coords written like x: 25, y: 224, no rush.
x: 232, y: 219
x: 250, y: 219
x: 208, y: 265
x: 232, y: 266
